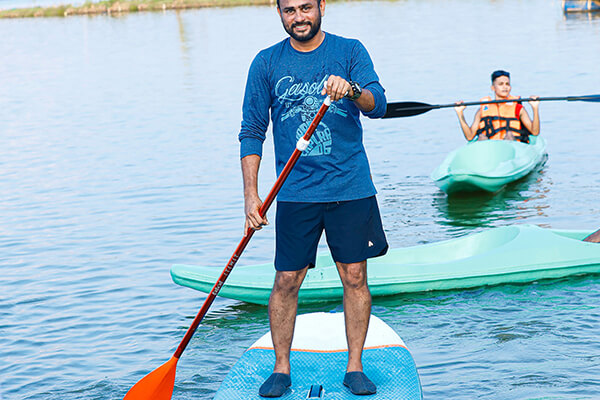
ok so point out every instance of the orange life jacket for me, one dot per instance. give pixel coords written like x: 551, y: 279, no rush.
x: 500, y: 118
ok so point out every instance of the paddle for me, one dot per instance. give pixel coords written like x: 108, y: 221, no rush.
x: 158, y: 385
x: 410, y: 108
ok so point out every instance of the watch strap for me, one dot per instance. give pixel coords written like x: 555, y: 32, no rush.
x: 357, y: 91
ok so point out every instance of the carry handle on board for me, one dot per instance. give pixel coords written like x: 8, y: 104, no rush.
x: 315, y: 392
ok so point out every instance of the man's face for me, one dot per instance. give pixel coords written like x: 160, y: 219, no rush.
x: 301, y: 18
x: 501, y: 86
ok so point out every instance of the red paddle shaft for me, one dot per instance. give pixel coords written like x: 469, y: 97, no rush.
x: 300, y: 146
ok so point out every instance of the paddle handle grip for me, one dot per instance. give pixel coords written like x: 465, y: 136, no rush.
x: 244, y: 242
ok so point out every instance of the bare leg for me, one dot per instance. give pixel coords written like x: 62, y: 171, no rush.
x: 594, y: 237
x: 283, y: 305
x: 357, y: 310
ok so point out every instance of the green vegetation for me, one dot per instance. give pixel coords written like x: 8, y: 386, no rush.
x: 125, y: 6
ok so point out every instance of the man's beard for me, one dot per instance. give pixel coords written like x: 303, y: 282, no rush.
x: 314, y: 29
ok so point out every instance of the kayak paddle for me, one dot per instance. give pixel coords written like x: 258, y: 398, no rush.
x: 158, y: 385
x: 410, y: 108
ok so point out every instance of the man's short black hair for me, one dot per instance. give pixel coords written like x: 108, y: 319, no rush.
x: 496, y: 74
x: 318, y: 2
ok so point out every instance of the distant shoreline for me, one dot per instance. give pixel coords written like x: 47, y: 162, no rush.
x: 120, y: 7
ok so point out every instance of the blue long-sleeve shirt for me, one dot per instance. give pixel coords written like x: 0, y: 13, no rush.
x: 288, y: 83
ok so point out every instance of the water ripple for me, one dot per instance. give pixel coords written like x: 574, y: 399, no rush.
x: 110, y: 174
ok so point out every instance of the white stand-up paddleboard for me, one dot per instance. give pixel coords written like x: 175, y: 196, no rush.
x: 318, y: 361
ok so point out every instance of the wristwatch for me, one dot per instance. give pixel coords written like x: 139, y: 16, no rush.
x: 355, y: 89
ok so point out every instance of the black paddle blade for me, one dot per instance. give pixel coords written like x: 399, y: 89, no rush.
x: 592, y: 97
x: 407, y: 109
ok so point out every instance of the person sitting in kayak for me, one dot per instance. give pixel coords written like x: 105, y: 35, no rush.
x: 501, y: 121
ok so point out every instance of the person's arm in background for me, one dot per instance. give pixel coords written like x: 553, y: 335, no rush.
x: 532, y: 126
x: 468, y: 131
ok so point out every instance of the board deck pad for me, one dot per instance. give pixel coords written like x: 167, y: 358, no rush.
x: 319, y: 355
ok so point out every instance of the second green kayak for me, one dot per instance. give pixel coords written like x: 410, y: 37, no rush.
x: 488, y: 165
x: 518, y: 253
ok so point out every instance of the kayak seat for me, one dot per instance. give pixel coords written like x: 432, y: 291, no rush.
x: 434, y: 253
x: 457, y: 249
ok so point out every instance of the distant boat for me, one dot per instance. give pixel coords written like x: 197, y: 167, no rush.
x: 581, y: 5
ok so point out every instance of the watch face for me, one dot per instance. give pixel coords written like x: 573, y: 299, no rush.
x: 356, y: 89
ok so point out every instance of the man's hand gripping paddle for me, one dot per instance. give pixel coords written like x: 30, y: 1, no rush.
x: 158, y: 384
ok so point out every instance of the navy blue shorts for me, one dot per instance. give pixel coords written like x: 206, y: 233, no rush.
x: 352, y: 228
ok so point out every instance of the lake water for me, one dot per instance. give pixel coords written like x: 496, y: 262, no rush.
x: 120, y: 157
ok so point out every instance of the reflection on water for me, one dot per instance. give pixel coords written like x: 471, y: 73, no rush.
x: 183, y: 39
x: 517, y: 201
x: 582, y: 16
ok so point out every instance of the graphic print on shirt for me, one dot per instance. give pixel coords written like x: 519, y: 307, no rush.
x: 304, y: 98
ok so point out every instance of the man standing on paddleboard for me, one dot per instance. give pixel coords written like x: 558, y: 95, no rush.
x: 330, y: 189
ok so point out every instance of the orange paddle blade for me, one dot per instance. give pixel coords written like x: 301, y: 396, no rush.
x: 157, y: 385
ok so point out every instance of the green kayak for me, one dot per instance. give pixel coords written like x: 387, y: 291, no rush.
x: 518, y: 253
x: 488, y: 165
